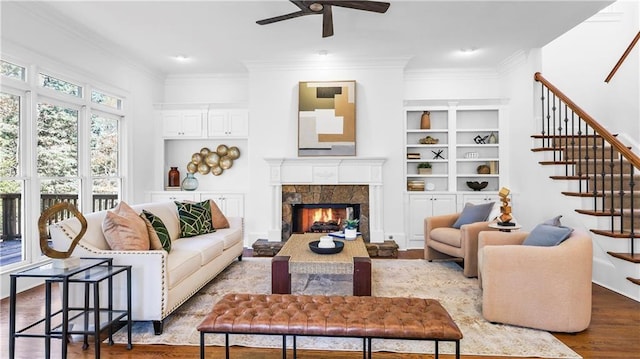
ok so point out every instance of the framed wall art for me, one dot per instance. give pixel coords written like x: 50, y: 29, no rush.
x: 327, y: 118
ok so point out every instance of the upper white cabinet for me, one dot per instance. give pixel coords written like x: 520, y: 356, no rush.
x: 182, y: 124
x: 232, y: 123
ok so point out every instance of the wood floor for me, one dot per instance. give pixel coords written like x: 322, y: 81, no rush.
x: 614, y: 333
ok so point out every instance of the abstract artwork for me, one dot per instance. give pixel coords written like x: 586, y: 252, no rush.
x: 327, y: 118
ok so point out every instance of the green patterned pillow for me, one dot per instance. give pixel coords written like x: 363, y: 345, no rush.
x: 160, y: 228
x: 195, y: 218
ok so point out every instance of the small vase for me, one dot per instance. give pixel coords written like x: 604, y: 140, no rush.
x: 174, y: 177
x: 190, y: 183
x: 425, y: 120
x: 350, y: 233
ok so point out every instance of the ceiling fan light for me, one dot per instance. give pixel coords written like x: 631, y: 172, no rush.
x: 316, y: 6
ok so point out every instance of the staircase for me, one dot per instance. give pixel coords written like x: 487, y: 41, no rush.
x: 599, y: 169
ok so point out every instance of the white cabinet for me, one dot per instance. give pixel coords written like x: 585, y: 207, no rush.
x: 231, y: 204
x: 228, y: 123
x: 162, y: 196
x: 422, y: 206
x: 182, y: 124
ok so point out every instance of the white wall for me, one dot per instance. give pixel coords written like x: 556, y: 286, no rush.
x: 579, y: 61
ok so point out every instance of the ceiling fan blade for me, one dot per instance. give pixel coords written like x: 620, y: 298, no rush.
x: 282, y: 17
x: 374, y: 6
x: 327, y: 21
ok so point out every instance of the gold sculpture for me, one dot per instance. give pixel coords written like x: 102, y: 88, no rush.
x: 61, y: 257
x: 214, y: 162
x: 505, y: 209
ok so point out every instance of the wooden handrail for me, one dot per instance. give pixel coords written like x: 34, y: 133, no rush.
x: 619, y: 146
x: 624, y: 56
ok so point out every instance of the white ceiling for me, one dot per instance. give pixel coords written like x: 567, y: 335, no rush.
x: 221, y: 36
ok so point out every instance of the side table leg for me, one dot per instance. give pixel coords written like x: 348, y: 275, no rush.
x: 280, y: 276
x: 361, y: 276
x: 47, y: 319
x: 96, y: 320
x: 12, y: 319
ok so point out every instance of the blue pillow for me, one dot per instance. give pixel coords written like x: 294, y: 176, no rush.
x: 474, y: 213
x: 555, y: 221
x: 547, y: 235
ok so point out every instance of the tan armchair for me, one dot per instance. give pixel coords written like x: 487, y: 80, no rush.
x: 546, y: 288
x: 442, y: 241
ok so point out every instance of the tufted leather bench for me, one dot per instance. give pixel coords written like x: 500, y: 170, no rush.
x: 337, y: 316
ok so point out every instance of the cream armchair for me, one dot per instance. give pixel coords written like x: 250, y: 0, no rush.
x: 546, y: 288
x: 442, y: 241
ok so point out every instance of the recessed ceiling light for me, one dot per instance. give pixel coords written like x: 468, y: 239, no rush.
x: 468, y: 50
x: 181, y: 58
x: 323, y: 53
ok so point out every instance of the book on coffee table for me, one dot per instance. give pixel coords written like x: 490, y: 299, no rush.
x: 341, y: 235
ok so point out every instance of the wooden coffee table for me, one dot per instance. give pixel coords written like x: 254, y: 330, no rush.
x: 296, y: 257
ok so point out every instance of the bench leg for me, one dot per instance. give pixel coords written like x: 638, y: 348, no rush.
x: 457, y: 349
x: 226, y: 345
x: 436, y: 352
x: 369, y: 346
x: 295, y: 348
x: 201, y: 345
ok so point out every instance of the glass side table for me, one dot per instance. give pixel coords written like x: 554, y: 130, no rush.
x: 91, y: 272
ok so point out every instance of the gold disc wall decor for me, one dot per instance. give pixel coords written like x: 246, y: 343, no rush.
x: 215, y: 162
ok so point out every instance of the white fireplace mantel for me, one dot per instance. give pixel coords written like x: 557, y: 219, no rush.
x: 327, y: 171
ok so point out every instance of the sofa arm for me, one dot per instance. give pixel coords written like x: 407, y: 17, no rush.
x: 494, y: 237
x: 235, y: 222
x: 469, y: 243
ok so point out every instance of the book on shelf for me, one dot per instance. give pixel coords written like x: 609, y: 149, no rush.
x: 172, y: 188
x: 413, y: 185
x: 413, y: 156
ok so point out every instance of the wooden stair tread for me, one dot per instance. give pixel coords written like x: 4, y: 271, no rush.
x: 612, y: 234
x: 635, y: 258
x: 570, y: 177
x: 543, y: 149
x: 599, y: 213
x: 546, y: 163
x: 582, y: 194
x: 568, y: 136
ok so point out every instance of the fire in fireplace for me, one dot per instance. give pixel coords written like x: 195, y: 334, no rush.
x: 322, y: 218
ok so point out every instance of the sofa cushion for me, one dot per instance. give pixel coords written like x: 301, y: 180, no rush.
x: 472, y: 213
x: 154, y: 240
x: 450, y: 236
x: 159, y: 229
x: 124, y: 229
x: 208, y: 247
x: 181, y: 264
x: 195, y: 218
x: 555, y: 221
x: 217, y: 217
x: 547, y: 236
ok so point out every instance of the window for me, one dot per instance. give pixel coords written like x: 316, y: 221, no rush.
x: 13, y: 71
x: 77, y: 146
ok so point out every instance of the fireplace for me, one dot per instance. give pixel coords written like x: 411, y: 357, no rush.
x: 353, y: 180
x: 323, y: 208
x: 322, y: 217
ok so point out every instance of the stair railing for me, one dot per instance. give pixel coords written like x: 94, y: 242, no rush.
x: 579, y: 142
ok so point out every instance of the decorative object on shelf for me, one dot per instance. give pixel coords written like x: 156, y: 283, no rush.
x: 351, y: 228
x: 493, y: 167
x: 493, y: 139
x: 413, y: 156
x: 483, y: 170
x: 214, y: 162
x: 437, y: 154
x: 430, y: 186
x: 480, y: 140
x: 339, y: 246
x: 192, y: 167
x: 425, y: 120
x: 190, y: 183
x: 174, y: 177
x: 60, y: 259
x: 429, y: 140
x: 415, y: 185
x: 471, y: 155
x: 326, y: 242
x: 424, y: 168
x: 505, y: 209
x: 327, y: 118
x: 477, y: 186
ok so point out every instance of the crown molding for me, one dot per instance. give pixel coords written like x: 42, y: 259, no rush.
x: 454, y: 74
x: 361, y: 63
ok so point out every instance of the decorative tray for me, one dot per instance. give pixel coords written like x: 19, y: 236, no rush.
x: 315, y: 249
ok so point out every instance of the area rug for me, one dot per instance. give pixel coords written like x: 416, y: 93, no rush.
x: 390, y: 278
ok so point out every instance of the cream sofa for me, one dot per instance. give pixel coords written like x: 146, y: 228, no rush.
x: 161, y: 281
x: 546, y: 288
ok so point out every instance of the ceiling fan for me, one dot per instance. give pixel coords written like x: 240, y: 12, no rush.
x: 324, y: 8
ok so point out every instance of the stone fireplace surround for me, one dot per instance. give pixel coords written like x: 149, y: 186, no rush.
x: 320, y: 171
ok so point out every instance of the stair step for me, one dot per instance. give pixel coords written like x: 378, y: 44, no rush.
x: 599, y: 213
x: 543, y: 149
x: 634, y: 258
x: 634, y: 280
x: 547, y: 163
x: 569, y: 177
x: 581, y: 194
x: 611, y: 234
